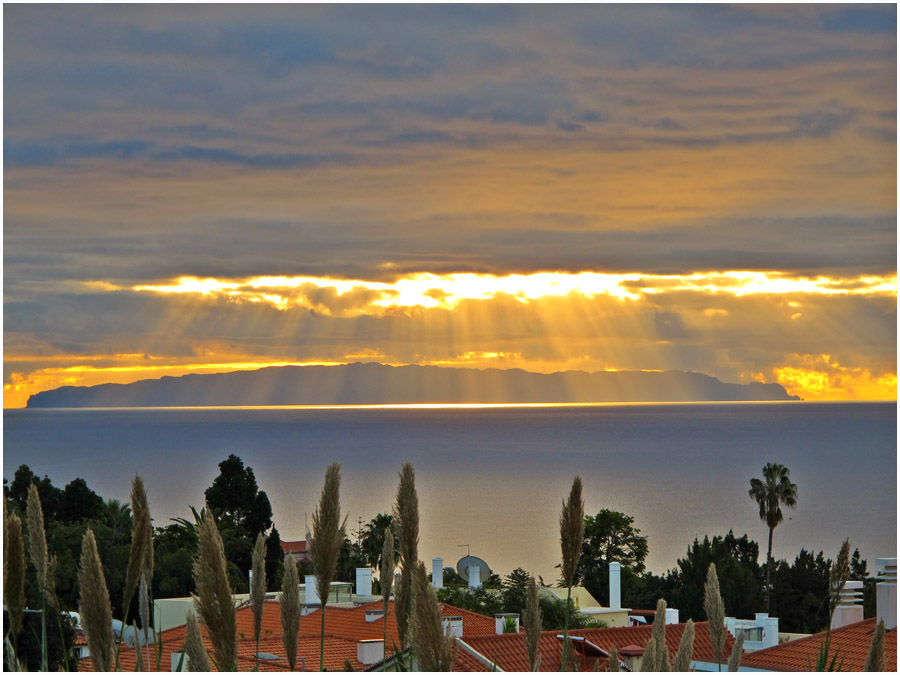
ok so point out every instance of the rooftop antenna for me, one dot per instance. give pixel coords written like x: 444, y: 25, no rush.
x: 468, y: 551
x: 306, y: 524
x: 359, y: 532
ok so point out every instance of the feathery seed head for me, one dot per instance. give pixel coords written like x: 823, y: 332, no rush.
x: 194, y: 649
x: 290, y: 609
x: 532, y: 622
x: 406, y: 520
x: 328, y: 532
x: 715, y: 612
x: 648, y: 663
x: 37, y: 539
x: 734, y: 661
x: 213, y: 602
x: 258, y: 585
x: 613, y: 665
x: 387, y: 568
x: 571, y: 531
x: 840, y: 573
x: 141, y: 538
x: 432, y: 645
x: 875, y: 658
x: 14, y: 572
x: 685, y: 649
x: 659, y: 634
x: 93, y: 605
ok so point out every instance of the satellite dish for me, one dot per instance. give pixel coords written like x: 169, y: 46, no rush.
x: 468, y: 561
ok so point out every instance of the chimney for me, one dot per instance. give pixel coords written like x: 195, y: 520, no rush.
x: 886, y: 592
x: 437, y: 572
x: 500, y: 622
x: 369, y: 651
x: 848, y: 611
x: 312, y: 595
x: 615, y: 585
x: 671, y: 615
x: 455, y: 624
x: 474, y: 576
x: 363, y: 581
x: 632, y: 655
x: 374, y: 615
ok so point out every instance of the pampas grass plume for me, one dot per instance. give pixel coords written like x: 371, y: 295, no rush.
x: 213, y: 601
x: 734, y: 661
x: 532, y: 621
x: 875, y: 658
x: 406, y: 521
x: 432, y: 645
x: 258, y: 584
x: 194, y: 649
x: 715, y: 612
x: 14, y: 572
x: 141, y: 538
x: 94, y: 607
x: 685, y: 649
x: 290, y: 609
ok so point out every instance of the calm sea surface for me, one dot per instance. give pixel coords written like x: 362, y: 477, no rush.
x: 494, y: 478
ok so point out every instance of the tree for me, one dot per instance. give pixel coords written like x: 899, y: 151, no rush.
x: 611, y: 537
x: 79, y: 503
x: 515, y: 591
x: 739, y: 573
x: 371, y: 540
x: 770, y: 493
x: 235, y: 498
x: 17, y: 491
x: 798, y: 596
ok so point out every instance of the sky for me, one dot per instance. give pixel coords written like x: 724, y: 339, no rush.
x: 212, y: 188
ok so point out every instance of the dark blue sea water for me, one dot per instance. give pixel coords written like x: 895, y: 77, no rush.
x: 494, y: 478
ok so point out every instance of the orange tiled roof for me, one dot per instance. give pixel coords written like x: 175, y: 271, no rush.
x: 508, y: 651
x: 341, y: 623
x: 294, y: 546
x: 851, y: 643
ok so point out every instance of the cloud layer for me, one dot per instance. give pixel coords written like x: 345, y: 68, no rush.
x: 142, y: 144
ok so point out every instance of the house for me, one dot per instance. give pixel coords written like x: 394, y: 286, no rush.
x: 299, y: 550
x: 506, y: 652
x: 851, y: 636
x: 354, y: 633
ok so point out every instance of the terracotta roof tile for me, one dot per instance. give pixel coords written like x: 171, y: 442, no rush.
x: 851, y: 643
x: 347, y: 624
x: 294, y: 546
x: 508, y: 651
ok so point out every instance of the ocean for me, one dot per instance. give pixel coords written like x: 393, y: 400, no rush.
x: 494, y: 478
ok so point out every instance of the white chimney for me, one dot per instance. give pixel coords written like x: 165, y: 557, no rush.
x: 615, y: 585
x: 363, y: 581
x: 671, y: 615
x: 312, y: 594
x: 370, y: 651
x: 886, y: 592
x: 455, y: 625
x: 474, y: 576
x: 500, y: 622
x: 437, y: 572
x: 374, y: 615
x: 848, y: 611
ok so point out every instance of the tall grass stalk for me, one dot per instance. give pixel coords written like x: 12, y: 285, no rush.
x: 213, y: 602
x: 715, y: 613
x: 194, y: 649
x: 387, y: 575
x: 94, y: 606
x: 659, y: 634
x: 258, y: 588
x: 141, y: 536
x: 648, y: 663
x: 613, y: 665
x: 144, y: 609
x: 406, y: 520
x: 328, y: 538
x: 571, y: 538
x: 432, y: 645
x: 532, y: 621
x: 685, y: 651
x: 290, y: 609
x: 875, y: 662
x: 14, y: 574
x: 734, y: 661
x: 37, y: 545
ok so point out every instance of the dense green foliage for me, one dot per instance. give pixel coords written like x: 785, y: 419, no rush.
x: 611, y: 537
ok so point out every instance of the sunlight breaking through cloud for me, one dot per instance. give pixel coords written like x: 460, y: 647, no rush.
x: 343, y: 297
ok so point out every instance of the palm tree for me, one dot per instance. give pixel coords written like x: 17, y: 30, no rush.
x: 776, y: 489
